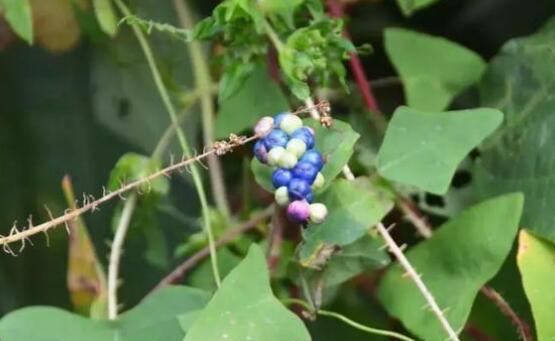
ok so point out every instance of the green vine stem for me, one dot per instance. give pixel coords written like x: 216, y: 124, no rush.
x: 204, y: 82
x: 181, y: 137
x: 342, y: 318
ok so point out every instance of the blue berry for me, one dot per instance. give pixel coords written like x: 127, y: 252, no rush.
x: 260, y: 151
x: 313, y: 157
x: 276, y: 138
x: 278, y: 118
x: 299, y: 189
x: 306, y: 171
x: 281, y: 177
x: 309, y: 197
x: 304, y: 134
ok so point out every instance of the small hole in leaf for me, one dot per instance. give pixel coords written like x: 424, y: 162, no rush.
x: 434, y: 200
x: 123, y: 108
x: 474, y: 154
x: 461, y: 179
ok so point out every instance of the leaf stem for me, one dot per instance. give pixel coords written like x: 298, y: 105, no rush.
x: 181, y: 137
x: 204, y: 82
x: 115, y: 255
x: 348, y: 321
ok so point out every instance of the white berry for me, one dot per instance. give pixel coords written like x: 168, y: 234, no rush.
x: 290, y: 123
x: 282, y: 196
x: 319, y: 181
x: 318, y: 213
x: 296, y: 146
x: 274, y: 155
x: 287, y: 160
x: 264, y: 126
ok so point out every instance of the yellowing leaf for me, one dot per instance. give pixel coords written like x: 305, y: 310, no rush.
x: 86, y: 280
x: 536, y: 262
x: 56, y: 28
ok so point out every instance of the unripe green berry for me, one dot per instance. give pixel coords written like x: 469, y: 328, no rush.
x: 287, y: 160
x: 296, y: 146
x: 319, y: 181
x: 290, y: 123
x: 318, y: 213
x: 282, y: 196
x: 274, y: 155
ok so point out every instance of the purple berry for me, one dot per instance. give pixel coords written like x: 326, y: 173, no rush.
x: 298, y: 211
x: 278, y: 118
x: 304, y: 134
x: 281, y: 177
x: 260, y: 151
x: 276, y: 138
x: 313, y: 157
x: 306, y: 171
x: 298, y: 189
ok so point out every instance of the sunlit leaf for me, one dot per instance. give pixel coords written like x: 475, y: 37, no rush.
x: 454, y: 263
x: 536, y: 262
x: 106, y: 17
x: 18, y: 14
x: 244, y: 308
x: 423, y: 149
x: 433, y: 70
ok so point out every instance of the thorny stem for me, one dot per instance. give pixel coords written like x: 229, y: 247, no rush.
x: 203, y: 81
x: 115, y: 255
x: 383, y: 231
x: 91, y: 205
x: 182, y: 140
x: 179, y: 272
x: 411, y: 272
x: 347, y: 320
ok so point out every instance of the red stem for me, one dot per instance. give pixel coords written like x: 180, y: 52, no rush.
x: 336, y: 9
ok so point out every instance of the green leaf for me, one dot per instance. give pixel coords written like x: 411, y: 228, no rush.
x: 408, y: 7
x: 18, y: 14
x: 244, y: 308
x: 536, y: 262
x: 279, y: 5
x: 106, y: 17
x: 365, y: 254
x: 353, y: 208
x: 132, y: 166
x: 335, y: 143
x: 519, y: 157
x: 455, y: 263
x: 433, y: 70
x: 258, y: 96
x: 154, y: 319
x: 423, y: 149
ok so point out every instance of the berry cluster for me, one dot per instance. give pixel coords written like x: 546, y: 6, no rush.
x: 288, y: 146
